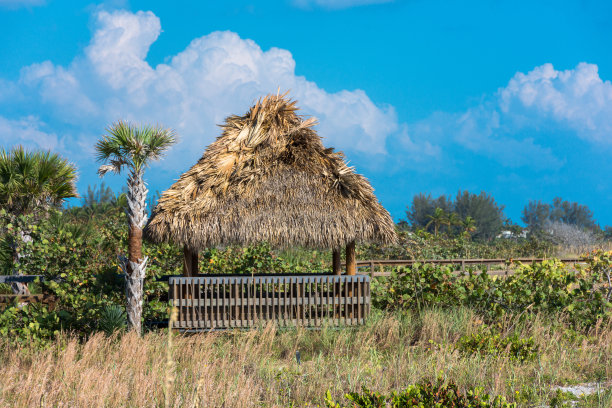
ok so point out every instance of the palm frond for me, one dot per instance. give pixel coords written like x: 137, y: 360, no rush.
x: 132, y: 146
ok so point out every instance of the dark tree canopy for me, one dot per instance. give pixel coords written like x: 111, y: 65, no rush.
x: 537, y: 214
x: 487, y: 214
x: 423, y: 207
x: 482, y: 207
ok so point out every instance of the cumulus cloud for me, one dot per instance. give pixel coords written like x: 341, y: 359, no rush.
x: 514, y: 125
x: 577, y: 99
x: 214, y: 76
x: 336, y: 4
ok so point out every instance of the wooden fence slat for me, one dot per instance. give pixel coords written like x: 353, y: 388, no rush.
x: 214, y: 302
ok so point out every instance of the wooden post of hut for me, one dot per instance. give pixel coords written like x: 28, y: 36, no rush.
x: 336, y: 264
x: 351, y: 269
x: 351, y: 263
x: 190, y: 262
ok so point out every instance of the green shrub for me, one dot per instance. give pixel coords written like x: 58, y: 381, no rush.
x: 31, y: 325
x: 434, y: 394
x: 112, y: 319
x: 488, y: 341
x: 550, y: 287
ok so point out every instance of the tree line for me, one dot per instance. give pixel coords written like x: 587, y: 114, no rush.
x: 480, y: 217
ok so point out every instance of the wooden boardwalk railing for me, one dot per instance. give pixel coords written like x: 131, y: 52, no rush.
x: 45, y: 298
x: 211, y: 302
x: 507, y: 264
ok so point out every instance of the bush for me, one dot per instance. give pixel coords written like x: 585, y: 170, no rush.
x: 488, y: 341
x: 582, y: 295
x: 424, y: 394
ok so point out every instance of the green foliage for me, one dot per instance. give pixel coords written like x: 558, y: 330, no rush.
x: 423, y: 245
x: 488, y: 215
x: 428, y: 213
x: 582, y: 296
x: 434, y: 394
x: 254, y: 259
x: 112, y: 319
x: 423, y: 206
x: 31, y: 181
x: 487, y: 340
x: 132, y: 146
x: 31, y: 325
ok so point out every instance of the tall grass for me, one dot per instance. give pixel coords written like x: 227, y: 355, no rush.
x: 258, y: 368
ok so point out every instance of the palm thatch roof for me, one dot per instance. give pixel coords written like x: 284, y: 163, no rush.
x: 268, y: 177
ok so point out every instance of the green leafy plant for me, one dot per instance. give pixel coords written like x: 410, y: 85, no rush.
x: 435, y: 394
x: 489, y: 341
x: 112, y: 319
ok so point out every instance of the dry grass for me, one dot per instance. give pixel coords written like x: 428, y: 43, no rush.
x: 258, y: 368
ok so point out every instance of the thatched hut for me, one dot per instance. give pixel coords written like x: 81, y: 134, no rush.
x: 268, y: 177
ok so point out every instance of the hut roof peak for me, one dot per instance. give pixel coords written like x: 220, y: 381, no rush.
x: 269, y: 177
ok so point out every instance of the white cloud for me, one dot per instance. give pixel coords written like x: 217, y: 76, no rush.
x: 514, y: 125
x: 336, y: 4
x: 577, y: 99
x: 27, y: 132
x: 214, y: 76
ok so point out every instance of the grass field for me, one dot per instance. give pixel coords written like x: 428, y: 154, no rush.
x: 258, y: 368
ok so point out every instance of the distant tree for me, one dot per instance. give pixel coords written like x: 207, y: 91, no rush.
x: 536, y: 215
x: 98, y: 195
x: 572, y: 213
x: 423, y: 206
x: 436, y: 219
x: 452, y: 220
x: 607, y: 232
x: 469, y: 226
x: 488, y: 215
x: 569, y: 235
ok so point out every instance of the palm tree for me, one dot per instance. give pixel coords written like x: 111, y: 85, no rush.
x: 437, y: 219
x: 127, y: 146
x: 452, y: 219
x: 31, y: 183
x: 468, y: 225
x: 36, y: 181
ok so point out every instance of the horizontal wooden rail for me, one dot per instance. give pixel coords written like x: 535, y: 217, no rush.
x: 19, y: 278
x: 223, y: 302
x: 507, y: 263
x: 46, y: 299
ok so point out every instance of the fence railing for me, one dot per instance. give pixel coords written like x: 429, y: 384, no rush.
x: 506, y: 264
x: 224, y: 302
x: 44, y: 298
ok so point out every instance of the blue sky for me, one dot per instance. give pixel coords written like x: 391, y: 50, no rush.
x: 509, y: 97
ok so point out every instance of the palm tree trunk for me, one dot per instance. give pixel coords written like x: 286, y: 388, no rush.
x: 19, y: 288
x: 135, y: 265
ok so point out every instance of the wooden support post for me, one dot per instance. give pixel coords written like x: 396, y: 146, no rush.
x: 337, y: 267
x: 190, y: 262
x: 351, y: 263
x: 351, y: 269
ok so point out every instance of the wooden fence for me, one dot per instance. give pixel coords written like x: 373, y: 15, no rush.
x: 45, y: 298
x: 377, y: 266
x: 224, y: 301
